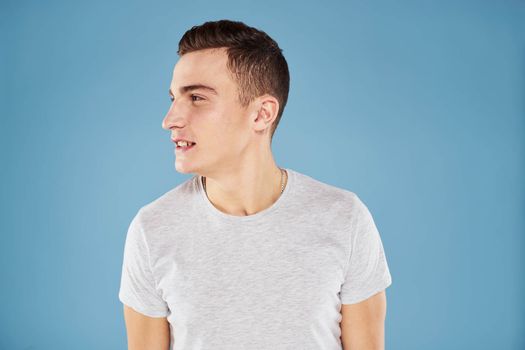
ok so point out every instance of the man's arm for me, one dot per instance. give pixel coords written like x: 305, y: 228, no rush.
x: 146, y: 333
x: 363, y: 324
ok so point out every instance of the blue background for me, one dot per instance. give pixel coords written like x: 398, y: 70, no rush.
x: 416, y: 106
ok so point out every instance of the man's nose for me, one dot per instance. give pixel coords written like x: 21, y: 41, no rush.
x: 175, y: 117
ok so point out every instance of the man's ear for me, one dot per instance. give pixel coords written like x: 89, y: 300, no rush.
x: 266, y: 112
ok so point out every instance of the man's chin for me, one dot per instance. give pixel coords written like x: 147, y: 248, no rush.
x: 183, y: 169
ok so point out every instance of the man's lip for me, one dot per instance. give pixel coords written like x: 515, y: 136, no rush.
x: 179, y: 139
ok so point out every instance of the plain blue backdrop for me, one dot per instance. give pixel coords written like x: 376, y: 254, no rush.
x: 416, y: 106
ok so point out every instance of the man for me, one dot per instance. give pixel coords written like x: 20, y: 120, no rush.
x: 246, y: 254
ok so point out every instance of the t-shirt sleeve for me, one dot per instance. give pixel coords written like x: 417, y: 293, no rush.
x: 367, y: 272
x: 138, y: 287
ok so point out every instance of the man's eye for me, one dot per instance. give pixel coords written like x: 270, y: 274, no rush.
x: 192, y: 98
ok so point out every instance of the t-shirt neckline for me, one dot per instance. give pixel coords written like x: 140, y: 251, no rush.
x: 237, y: 218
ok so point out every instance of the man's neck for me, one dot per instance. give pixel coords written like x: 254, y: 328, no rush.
x: 246, y: 191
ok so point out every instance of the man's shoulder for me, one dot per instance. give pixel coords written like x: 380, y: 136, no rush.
x: 168, y: 202
x: 325, y: 202
x: 322, y: 191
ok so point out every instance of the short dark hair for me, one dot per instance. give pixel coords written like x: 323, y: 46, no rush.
x: 254, y: 59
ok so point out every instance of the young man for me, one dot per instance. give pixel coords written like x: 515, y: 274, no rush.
x: 247, y: 254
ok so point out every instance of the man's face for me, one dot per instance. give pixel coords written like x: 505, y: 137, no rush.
x: 214, y: 120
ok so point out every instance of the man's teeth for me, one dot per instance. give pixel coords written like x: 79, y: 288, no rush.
x: 184, y: 143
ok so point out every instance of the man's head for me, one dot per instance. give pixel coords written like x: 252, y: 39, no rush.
x: 250, y: 81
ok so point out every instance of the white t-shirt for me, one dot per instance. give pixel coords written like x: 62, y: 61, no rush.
x: 272, y: 280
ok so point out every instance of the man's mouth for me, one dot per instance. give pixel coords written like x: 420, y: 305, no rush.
x: 184, y: 146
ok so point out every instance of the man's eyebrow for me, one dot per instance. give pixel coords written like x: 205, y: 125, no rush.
x: 184, y: 89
